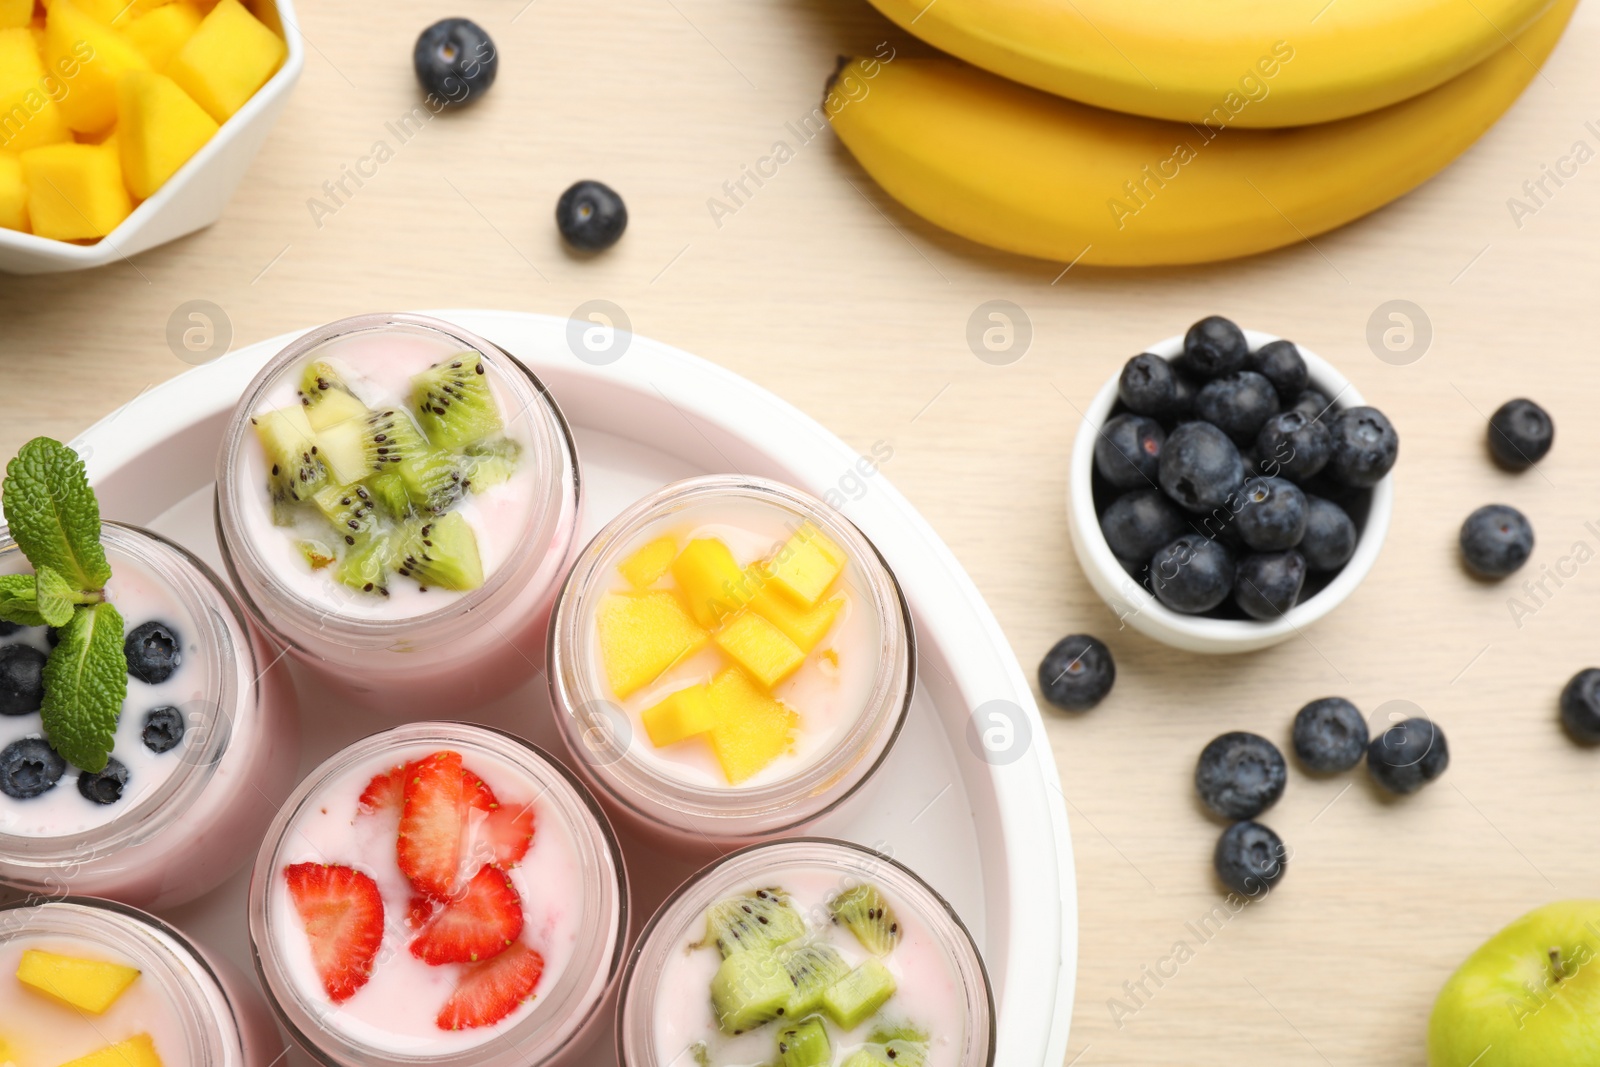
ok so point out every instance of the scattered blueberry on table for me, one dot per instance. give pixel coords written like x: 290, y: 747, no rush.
x: 591, y: 216
x: 1408, y: 755
x: 1077, y: 673
x: 1580, y: 706
x: 1520, y: 434
x: 455, y: 61
x: 1240, y: 775
x: 1250, y: 858
x: 1330, y: 735
x: 1495, y: 540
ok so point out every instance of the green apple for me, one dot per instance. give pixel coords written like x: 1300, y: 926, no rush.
x: 1528, y: 997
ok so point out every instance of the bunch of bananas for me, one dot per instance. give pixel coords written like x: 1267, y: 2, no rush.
x: 1143, y: 132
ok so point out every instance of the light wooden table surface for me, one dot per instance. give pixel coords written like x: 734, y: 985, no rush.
x: 824, y: 291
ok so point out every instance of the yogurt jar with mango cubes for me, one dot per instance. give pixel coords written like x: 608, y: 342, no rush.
x: 103, y: 101
x: 730, y: 659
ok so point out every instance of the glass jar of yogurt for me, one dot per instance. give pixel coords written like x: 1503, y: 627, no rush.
x: 205, y: 749
x: 441, y: 894
x: 136, y: 985
x: 818, y: 952
x: 396, y: 501
x: 730, y: 659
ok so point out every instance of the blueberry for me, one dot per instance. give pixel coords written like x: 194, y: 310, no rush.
x: 1240, y: 775
x: 1273, y: 516
x: 1192, y: 574
x: 1127, y: 453
x: 1365, y: 447
x: 1200, y: 466
x: 21, y: 679
x: 1268, y: 584
x: 1138, y: 523
x: 1293, y: 445
x: 1496, y: 540
x: 1408, y: 755
x: 1077, y: 672
x: 163, y: 729
x: 1330, y: 735
x: 1520, y: 433
x: 1313, y: 405
x: 8, y: 628
x: 1580, y: 706
x: 1148, y: 385
x: 1250, y: 859
x: 154, y: 652
x: 1183, y: 405
x: 1331, y: 536
x: 591, y: 216
x: 1214, y: 347
x: 1280, y: 363
x: 52, y: 636
x: 29, y: 767
x: 104, y: 787
x: 1238, y: 405
x: 455, y: 61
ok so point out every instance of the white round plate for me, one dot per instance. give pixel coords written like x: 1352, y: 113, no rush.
x: 970, y: 797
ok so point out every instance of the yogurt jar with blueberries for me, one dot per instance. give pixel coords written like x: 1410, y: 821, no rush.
x: 204, y: 748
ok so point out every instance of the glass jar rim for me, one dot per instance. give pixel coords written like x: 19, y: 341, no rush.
x: 687, y: 905
x: 588, y: 720
x: 224, y: 638
x: 555, y: 452
x: 164, y: 955
x: 578, y: 994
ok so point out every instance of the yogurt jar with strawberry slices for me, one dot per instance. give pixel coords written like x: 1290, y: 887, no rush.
x: 730, y: 659
x: 397, y: 500
x: 440, y: 894
x: 88, y: 979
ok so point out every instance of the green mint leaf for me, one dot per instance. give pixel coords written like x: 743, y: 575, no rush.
x: 85, y: 683
x: 53, y: 514
x: 55, y: 596
x: 18, y: 602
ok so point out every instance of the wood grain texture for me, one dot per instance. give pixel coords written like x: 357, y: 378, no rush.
x: 822, y: 290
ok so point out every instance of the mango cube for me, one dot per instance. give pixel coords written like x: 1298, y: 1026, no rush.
x: 805, y: 628
x: 229, y: 57
x: 13, y: 193
x: 91, y: 59
x: 75, y: 191
x: 89, y: 985
x: 752, y: 728
x: 28, y: 116
x: 711, y: 581
x: 686, y: 713
x: 137, y: 1051
x: 760, y: 648
x: 159, y: 129
x: 15, y: 14
x: 806, y: 565
x: 641, y: 635
x: 648, y: 564
x: 160, y: 34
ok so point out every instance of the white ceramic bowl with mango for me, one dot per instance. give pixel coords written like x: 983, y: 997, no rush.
x: 125, y: 124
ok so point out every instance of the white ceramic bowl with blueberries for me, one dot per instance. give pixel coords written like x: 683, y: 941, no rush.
x: 1233, y: 504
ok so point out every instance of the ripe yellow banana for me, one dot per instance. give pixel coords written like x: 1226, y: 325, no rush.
x: 1017, y: 169
x: 1235, y: 62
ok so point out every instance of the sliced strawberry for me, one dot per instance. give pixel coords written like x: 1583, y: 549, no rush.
x: 386, y: 791
x: 479, y: 923
x: 491, y: 991
x: 420, y: 910
x: 476, y: 792
x: 429, y: 848
x: 343, y: 916
x: 509, y: 831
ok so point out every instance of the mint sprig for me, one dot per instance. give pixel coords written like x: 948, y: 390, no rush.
x: 55, y: 520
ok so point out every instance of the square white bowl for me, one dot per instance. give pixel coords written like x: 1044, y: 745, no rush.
x: 191, y: 199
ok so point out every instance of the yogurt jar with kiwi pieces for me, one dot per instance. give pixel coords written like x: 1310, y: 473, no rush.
x: 396, y: 500
x: 806, y: 953
x: 731, y: 658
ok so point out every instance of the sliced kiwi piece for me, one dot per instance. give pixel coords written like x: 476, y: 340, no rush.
x: 867, y: 915
x: 349, y: 509
x: 326, y: 398
x: 316, y: 553
x: 366, y: 565
x: 812, y: 969
x: 294, y: 468
x: 358, y: 448
x: 750, y: 988
x: 490, y: 463
x: 805, y: 1044
x: 700, y: 1052
x: 389, y: 490
x: 433, y: 481
x: 439, y: 552
x: 760, y: 920
x: 853, y: 999
x: 902, y: 1045
x: 863, y: 1057
x: 454, y: 404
